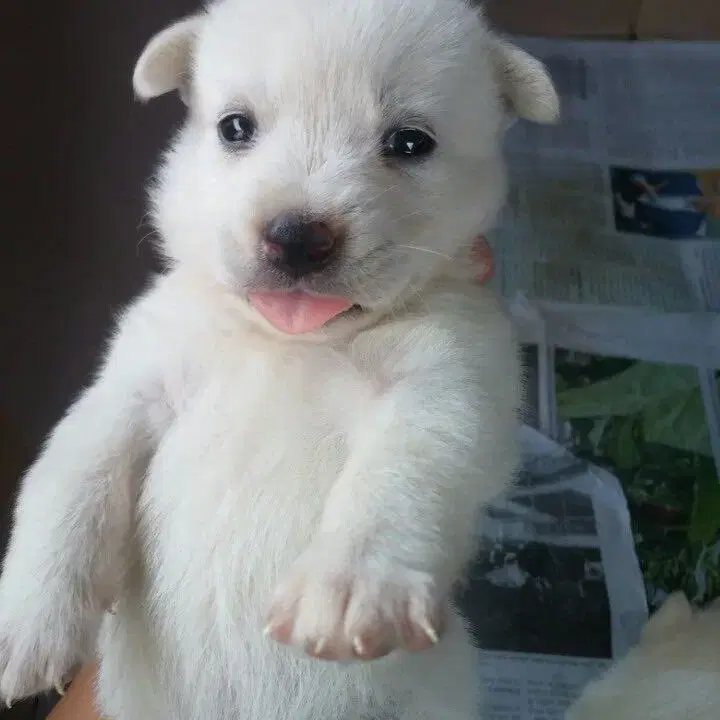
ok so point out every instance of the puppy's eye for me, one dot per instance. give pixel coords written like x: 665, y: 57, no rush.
x: 408, y: 143
x: 236, y: 129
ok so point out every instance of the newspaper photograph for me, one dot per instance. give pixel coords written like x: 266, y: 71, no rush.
x: 610, y: 241
x: 614, y: 213
x: 556, y: 591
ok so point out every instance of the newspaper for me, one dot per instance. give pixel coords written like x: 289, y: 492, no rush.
x: 614, y: 214
x: 556, y: 592
x: 610, y: 241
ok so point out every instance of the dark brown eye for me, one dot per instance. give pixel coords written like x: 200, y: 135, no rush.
x: 408, y: 143
x: 236, y: 129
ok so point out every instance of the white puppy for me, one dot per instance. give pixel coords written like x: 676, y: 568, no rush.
x: 673, y: 673
x: 297, y: 424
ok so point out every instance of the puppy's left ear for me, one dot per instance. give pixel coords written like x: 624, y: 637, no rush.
x: 165, y: 63
x: 524, y: 83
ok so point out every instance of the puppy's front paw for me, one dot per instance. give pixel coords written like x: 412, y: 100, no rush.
x: 40, y: 645
x: 339, y: 605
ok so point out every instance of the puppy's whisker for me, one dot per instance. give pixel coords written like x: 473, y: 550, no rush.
x: 394, y: 308
x: 368, y: 280
x: 145, y: 219
x: 407, y: 216
x: 427, y: 250
x: 383, y: 192
x: 148, y: 237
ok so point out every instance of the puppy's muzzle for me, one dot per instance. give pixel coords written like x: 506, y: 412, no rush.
x: 298, y: 244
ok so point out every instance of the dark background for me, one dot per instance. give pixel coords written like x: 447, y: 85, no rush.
x: 76, y: 150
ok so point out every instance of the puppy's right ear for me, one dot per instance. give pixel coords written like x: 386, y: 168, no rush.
x: 164, y: 64
x: 524, y: 82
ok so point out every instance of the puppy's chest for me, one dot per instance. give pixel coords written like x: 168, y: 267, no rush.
x: 256, y: 442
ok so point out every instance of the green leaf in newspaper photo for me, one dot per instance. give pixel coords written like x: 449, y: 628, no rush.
x: 628, y: 392
x: 621, y: 442
x: 677, y: 419
x: 596, y: 435
x: 667, y: 396
x: 646, y: 423
x: 705, y: 518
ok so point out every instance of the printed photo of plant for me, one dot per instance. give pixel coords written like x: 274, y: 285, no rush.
x: 646, y: 423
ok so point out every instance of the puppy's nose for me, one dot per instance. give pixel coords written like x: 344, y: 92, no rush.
x: 298, y: 244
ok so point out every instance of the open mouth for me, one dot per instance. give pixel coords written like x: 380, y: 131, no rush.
x: 297, y: 312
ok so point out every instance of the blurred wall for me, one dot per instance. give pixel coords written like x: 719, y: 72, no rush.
x: 76, y: 150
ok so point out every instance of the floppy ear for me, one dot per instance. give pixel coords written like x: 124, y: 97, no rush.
x: 164, y: 64
x: 525, y: 83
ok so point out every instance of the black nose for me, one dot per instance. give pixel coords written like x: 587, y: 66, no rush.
x: 299, y: 244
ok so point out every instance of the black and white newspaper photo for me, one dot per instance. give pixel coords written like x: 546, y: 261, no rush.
x: 556, y: 591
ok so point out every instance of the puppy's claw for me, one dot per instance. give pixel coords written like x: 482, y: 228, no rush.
x: 59, y: 688
x: 319, y: 646
x: 358, y: 647
x: 430, y: 631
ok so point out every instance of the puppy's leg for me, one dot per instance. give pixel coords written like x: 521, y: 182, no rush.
x: 399, y: 524
x: 64, y: 564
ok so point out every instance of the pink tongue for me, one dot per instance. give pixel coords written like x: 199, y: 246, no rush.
x: 297, y: 312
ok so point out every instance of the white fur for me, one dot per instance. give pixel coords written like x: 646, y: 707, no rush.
x: 219, y: 474
x: 673, y: 673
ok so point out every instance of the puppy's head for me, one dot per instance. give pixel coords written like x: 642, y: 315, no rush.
x: 336, y: 153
